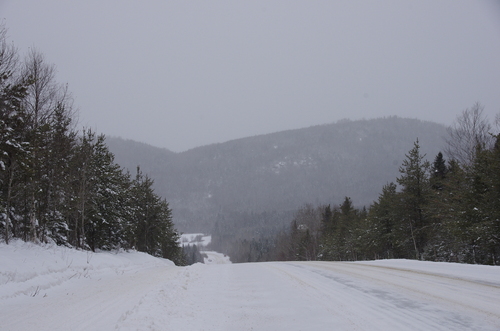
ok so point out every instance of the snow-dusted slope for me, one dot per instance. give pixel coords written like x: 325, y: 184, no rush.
x: 52, y: 288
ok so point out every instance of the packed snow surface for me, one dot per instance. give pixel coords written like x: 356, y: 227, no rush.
x: 54, y: 288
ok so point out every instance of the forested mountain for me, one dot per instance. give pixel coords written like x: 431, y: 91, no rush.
x: 263, y: 178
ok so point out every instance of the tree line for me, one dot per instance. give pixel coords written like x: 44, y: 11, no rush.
x: 61, y: 185
x: 439, y: 211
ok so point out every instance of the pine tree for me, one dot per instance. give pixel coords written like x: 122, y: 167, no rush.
x: 59, y: 144
x: 415, y: 220
x: 104, y: 220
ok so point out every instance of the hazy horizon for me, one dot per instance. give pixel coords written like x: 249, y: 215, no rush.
x: 180, y: 75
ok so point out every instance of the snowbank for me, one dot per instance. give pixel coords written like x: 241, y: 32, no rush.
x: 28, y: 269
x: 485, y: 274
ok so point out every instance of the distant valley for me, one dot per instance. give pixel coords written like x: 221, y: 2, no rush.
x: 275, y: 174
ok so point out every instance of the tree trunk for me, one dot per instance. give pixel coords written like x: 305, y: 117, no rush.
x: 417, y: 255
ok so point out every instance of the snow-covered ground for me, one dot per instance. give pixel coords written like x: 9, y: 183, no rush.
x: 53, y: 288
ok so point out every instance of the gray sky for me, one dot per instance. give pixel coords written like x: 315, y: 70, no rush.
x: 180, y: 74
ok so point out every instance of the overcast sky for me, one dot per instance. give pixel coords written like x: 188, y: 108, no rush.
x: 180, y: 74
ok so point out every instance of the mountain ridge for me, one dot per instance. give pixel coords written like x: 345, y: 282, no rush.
x: 281, y: 171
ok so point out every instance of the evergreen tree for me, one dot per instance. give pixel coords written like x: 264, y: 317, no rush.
x: 347, y: 229
x: 59, y: 144
x: 169, y: 236
x: 104, y: 220
x: 438, y: 172
x: 383, y: 218
x: 438, y: 243
x: 449, y: 206
x: 14, y: 142
x: 341, y: 229
x: 492, y: 225
x: 329, y: 224
x: 479, y: 220
x: 414, y: 222
x: 151, y: 228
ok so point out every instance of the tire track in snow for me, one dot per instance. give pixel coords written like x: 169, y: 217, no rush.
x: 407, y: 295
x: 470, y: 294
x: 363, y: 309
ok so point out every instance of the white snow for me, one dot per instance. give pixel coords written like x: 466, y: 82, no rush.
x: 54, y: 288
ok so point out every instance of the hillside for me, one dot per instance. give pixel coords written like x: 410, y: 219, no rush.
x: 280, y: 172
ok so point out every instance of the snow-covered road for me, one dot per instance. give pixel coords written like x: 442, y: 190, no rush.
x: 50, y: 290
x: 328, y: 296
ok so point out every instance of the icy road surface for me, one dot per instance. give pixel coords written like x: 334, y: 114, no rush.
x: 51, y: 288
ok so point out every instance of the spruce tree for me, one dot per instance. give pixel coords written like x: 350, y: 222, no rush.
x: 415, y: 191
x: 347, y: 223
x: 383, y: 219
x: 328, y: 231
x: 480, y: 216
x: 438, y: 172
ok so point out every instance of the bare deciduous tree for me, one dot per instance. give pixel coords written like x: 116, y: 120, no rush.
x: 8, y: 54
x: 470, y: 131
x: 42, y: 94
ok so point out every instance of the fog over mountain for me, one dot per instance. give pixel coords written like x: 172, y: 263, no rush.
x: 280, y: 172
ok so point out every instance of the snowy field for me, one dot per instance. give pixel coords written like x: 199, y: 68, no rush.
x: 53, y: 288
